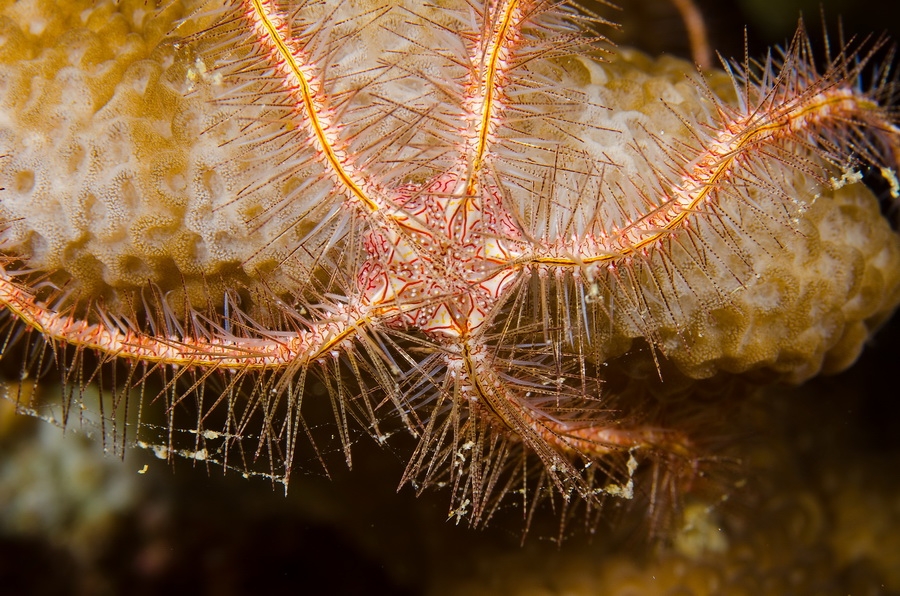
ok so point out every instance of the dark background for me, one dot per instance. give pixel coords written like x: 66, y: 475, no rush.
x: 654, y: 26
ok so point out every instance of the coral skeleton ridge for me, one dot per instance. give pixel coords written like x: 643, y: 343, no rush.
x: 478, y: 223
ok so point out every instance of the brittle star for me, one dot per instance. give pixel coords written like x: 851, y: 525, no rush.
x: 447, y: 261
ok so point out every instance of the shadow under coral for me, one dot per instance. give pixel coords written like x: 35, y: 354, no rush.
x: 815, y: 509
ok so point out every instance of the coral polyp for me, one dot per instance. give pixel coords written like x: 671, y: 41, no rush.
x: 477, y: 223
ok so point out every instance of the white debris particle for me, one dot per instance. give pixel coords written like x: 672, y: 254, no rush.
x: 891, y: 177
x: 848, y: 177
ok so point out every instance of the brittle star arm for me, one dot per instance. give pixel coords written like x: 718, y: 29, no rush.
x: 554, y: 441
x: 739, y: 137
x: 266, y: 351
x: 273, y: 34
x: 367, y: 197
x: 487, y: 78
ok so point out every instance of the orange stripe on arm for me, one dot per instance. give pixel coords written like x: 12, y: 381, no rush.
x: 270, y: 25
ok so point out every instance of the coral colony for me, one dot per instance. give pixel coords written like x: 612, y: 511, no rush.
x: 477, y: 224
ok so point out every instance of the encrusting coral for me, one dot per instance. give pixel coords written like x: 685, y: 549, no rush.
x: 107, y: 153
x: 457, y: 241
x: 116, y: 176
